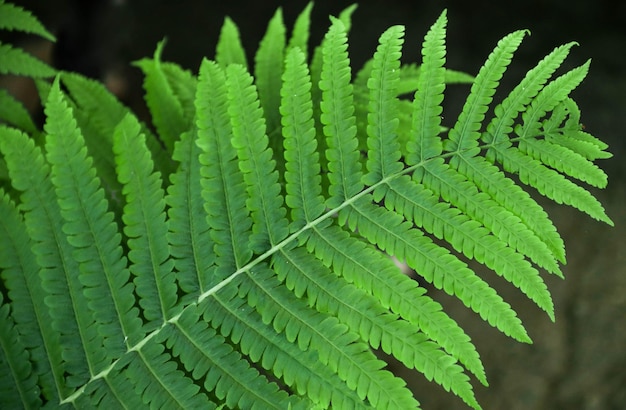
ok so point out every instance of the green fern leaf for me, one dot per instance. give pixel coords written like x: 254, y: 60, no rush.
x: 13, y: 112
x: 424, y: 142
x: 17, y: 369
x: 91, y: 232
x: 144, y: 223
x: 464, y: 135
x: 59, y: 270
x: 338, y: 118
x: 14, y: 17
x: 267, y: 74
x: 20, y: 274
x: 301, y: 29
x: 14, y: 61
x: 167, y: 111
x: 255, y: 161
x: 383, y: 157
x: 260, y: 273
x: 302, y: 174
x: 223, y: 187
x: 229, y: 49
x: 188, y: 228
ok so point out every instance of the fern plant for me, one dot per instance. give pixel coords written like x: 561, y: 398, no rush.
x: 239, y: 255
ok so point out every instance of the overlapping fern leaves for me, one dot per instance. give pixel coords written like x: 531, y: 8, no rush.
x: 242, y: 258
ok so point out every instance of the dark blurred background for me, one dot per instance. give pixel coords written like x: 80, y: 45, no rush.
x: 579, y: 362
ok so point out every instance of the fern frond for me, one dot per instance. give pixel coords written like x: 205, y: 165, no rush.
x: 424, y: 142
x: 302, y: 169
x: 338, y: 118
x: 223, y: 187
x: 13, y: 112
x: 229, y: 49
x: 17, y: 370
x: 255, y: 161
x: 92, y: 233
x: 145, y: 225
x: 17, y: 62
x: 188, y: 235
x: 14, y: 17
x: 20, y: 276
x: 301, y: 30
x: 65, y: 301
x: 516, y: 101
x: 167, y: 111
x: 268, y: 71
x: 548, y: 98
x: 465, y: 133
x: 383, y: 158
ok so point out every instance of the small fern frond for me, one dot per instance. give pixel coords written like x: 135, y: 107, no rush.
x: 516, y: 101
x: 302, y: 169
x: 92, y: 233
x: 301, y: 31
x: 18, y: 380
x: 14, y: 17
x: 337, y: 116
x: 548, y: 98
x: 424, y: 141
x: 145, y: 225
x: 383, y: 157
x: 223, y: 187
x: 188, y: 234
x: 268, y: 73
x: 167, y: 112
x: 20, y: 274
x: 229, y: 49
x: 13, y: 112
x: 465, y: 133
x: 17, y: 62
x: 66, y: 303
x: 255, y: 161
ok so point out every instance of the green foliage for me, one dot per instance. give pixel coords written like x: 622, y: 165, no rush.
x: 240, y: 257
